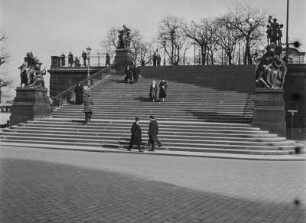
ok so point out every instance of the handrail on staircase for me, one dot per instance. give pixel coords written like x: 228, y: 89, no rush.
x: 64, y: 97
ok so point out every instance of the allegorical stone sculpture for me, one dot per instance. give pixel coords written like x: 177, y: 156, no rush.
x: 31, y: 74
x: 271, y: 70
x: 124, y: 38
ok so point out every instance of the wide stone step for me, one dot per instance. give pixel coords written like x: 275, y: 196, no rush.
x: 186, y: 149
x: 173, y: 129
x: 123, y: 142
x: 169, y: 140
x: 160, y: 117
x: 165, y: 134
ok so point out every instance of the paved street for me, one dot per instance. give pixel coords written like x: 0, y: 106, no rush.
x: 69, y: 186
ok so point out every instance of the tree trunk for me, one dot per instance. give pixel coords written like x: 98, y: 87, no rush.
x: 203, y: 49
x: 229, y: 55
x: 212, y: 58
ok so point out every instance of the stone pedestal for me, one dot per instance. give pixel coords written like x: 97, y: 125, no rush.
x: 123, y: 57
x: 269, y: 111
x: 30, y: 103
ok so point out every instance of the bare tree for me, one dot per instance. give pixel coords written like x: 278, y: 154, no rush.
x: 4, y: 79
x: 144, y: 55
x: 250, y: 23
x: 201, y: 34
x: 227, y: 36
x: 109, y: 44
x: 172, y: 38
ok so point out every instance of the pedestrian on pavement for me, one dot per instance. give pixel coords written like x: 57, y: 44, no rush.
x: 153, y: 91
x: 87, y: 107
x: 84, y: 55
x: 153, y: 131
x: 135, y: 135
x: 78, y: 94
x: 163, y: 90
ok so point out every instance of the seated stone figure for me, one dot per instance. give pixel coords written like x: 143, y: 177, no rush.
x: 270, y: 71
x: 30, y: 72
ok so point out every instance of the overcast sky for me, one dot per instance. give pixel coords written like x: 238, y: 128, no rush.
x: 52, y: 27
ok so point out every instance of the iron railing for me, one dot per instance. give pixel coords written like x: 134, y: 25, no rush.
x: 66, y: 96
x: 94, y: 60
x: 296, y: 134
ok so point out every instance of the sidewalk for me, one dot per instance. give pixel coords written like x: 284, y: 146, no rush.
x: 293, y: 157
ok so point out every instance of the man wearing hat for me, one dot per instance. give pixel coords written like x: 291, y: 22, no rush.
x: 153, y: 131
x: 136, y: 135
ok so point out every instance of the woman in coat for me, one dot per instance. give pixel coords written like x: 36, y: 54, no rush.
x: 153, y: 91
x: 135, y: 135
x: 87, y: 107
x: 163, y: 90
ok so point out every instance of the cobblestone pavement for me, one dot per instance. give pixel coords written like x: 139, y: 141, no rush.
x: 62, y: 186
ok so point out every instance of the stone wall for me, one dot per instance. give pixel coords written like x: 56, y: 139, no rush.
x: 241, y: 79
x: 63, y: 78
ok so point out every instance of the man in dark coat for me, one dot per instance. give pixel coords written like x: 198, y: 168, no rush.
x: 78, y: 94
x: 153, y: 131
x: 63, y: 60
x: 107, y: 60
x: 84, y: 55
x: 70, y: 59
x: 87, y: 107
x: 135, y: 135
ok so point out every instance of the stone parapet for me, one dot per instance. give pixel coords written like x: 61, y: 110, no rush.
x: 30, y: 103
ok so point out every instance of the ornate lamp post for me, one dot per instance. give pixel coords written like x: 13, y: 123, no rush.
x: 88, y: 50
x: 287, y: 32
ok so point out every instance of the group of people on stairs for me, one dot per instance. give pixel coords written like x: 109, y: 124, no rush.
x: 84, y: 97
x: 152, y: 133
x: 162, y: 90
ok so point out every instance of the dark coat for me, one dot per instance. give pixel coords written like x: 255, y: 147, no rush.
x: 163, y: 89
x: 136, y: 134
x: 153, y: 130
x: 128, y: 73
x: 153, y: 92
x: 78, y: 94
x: 87, y: 103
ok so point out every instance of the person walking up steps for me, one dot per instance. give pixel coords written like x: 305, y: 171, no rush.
x: 87, y: 107
x: 135, y: 135
x: 153, y: 131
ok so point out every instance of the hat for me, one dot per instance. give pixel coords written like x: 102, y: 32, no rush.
x: 152, y: 117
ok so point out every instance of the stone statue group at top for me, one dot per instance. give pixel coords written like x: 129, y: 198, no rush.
x: 124, y: 38
x: 271, y: 70
x: 30, y: 72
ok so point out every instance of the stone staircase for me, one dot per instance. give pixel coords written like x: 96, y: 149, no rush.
x: 193, y: 118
